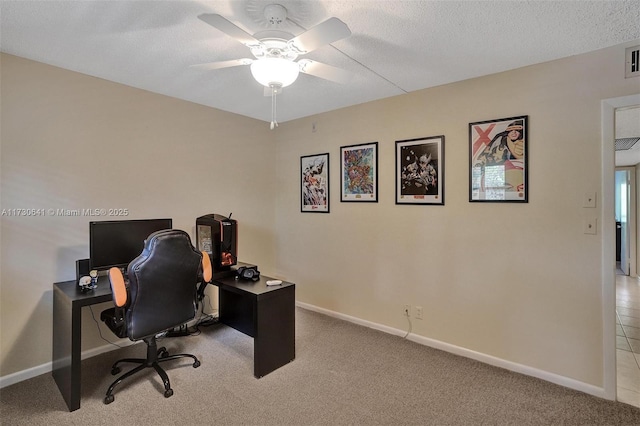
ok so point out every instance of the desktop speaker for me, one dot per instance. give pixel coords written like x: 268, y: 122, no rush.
x: 82, y: 269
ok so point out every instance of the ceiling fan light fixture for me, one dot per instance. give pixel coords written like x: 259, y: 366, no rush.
x: 274, y: 71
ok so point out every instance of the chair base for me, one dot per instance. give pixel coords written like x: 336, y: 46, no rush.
x: 154, y: 358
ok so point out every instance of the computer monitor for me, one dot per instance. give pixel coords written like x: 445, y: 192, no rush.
x: 116, y: 243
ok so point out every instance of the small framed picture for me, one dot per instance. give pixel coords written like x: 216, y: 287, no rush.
x: 314, y: 183
x: 420, y: 171
x: 359, y: 172
x: 498, y: 170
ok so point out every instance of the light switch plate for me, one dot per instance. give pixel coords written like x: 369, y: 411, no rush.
x: 589, y: 200
x: 590, y: 225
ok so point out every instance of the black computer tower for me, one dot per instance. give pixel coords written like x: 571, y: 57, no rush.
x: 218, y: 235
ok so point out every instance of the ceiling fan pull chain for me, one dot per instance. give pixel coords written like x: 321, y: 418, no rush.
x: 274, y: 123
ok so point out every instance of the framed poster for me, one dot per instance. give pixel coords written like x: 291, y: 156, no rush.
x: 314, y: 183
x: 420, y: 171
x: 359, y: 172
x: 498, y: 170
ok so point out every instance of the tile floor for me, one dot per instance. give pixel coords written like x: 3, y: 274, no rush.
x: 628, y: 339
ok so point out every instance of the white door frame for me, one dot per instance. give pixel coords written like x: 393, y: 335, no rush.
x: 608, y: 238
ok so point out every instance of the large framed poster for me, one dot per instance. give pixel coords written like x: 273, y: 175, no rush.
x: 498, y: 169
x: 359, y: 172
x: 420, y: 171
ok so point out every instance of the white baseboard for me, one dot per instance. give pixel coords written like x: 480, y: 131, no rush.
x: 478, y: 356
x: 19, y: 376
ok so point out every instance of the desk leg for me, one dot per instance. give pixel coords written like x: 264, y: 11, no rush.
x: 274, y: 342
x: 66, y: 348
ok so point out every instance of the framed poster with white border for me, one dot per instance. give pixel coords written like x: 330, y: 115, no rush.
x: 420, y: 171
x: 359, y: 172
x: 314, y: 183
x: 498, y: 160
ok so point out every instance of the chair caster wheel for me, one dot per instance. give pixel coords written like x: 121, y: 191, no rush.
x: 115, y: 370
x: 108, y: 399
x: 164, y: 353
x: 168, y: 393
x: 196, y: 364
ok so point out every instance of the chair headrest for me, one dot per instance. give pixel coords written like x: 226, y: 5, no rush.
x: 165, y: 234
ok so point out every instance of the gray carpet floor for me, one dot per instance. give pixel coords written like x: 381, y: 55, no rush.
x: 343, y: 374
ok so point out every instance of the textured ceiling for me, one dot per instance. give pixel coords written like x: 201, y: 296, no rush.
x: 395, y: 47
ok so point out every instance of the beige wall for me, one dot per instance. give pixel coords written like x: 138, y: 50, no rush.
x: 72, y: 141
x: 519, y: 282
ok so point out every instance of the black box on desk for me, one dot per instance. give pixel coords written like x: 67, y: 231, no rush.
x: 83, y: 267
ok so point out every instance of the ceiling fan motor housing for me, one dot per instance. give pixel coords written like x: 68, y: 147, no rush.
x: 272, y: 47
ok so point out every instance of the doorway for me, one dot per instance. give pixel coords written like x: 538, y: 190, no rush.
x: 625, y: 213
x: 608, y: 240
x: 627, y: 289
x: 622, y: 364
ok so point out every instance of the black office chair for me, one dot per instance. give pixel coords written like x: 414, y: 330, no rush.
x: 161, y: 295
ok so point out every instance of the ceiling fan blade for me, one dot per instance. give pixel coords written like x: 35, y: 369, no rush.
x: 324, y: 71
x: 223, y: 64
x: 325, y: 32
x: 230, y: 29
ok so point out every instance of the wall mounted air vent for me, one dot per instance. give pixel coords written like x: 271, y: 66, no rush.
x: 624, y: 144
x: 632, y: 62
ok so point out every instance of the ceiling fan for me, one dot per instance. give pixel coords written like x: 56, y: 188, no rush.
x: 275, y: 52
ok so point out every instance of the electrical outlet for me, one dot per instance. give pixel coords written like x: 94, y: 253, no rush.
x: 407, y: 310
x: 418, y: 312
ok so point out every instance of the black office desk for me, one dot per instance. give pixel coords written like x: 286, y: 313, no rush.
x: 265, y: 313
